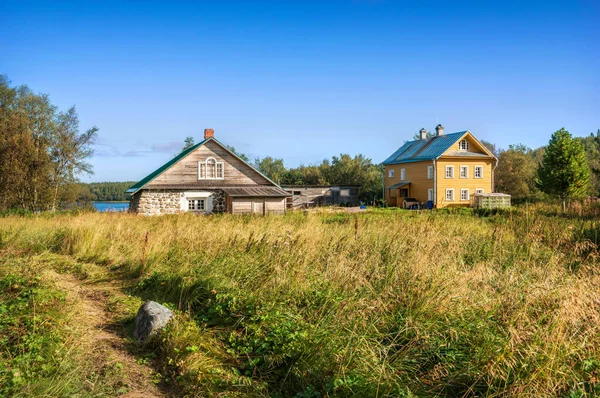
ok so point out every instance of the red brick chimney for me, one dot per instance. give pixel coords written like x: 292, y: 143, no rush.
x: 209, y: 133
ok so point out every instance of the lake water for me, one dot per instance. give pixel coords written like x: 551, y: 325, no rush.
x: 111, y: 206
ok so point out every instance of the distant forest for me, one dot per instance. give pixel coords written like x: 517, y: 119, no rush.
x: 104, y: 191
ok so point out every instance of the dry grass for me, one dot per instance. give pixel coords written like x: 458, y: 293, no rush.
x: 372, y: 304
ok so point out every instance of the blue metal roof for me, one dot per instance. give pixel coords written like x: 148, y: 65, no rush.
x: 427, y: 149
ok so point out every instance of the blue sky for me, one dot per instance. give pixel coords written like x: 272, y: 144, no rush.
x: 305, y: 80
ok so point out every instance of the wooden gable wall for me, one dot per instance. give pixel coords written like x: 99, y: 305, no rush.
x: 474, y: 146
x: 186, y: 170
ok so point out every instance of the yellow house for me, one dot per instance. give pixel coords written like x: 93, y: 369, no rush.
x: 446, y: 169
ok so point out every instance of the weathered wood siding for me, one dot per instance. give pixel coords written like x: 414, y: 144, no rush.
x: 416, y: 173
x: 258, y: 205
x: 186, y: 170
x: 471, y: 183
x: 275, y: 205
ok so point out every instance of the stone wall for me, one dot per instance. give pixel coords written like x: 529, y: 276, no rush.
x: 156, y: 202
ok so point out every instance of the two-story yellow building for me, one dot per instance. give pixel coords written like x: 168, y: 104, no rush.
x: 446, y: 169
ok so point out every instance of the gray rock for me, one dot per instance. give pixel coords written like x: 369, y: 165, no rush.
x: 150, y: 318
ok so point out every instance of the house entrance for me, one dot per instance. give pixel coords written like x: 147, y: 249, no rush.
x: 404, y: 192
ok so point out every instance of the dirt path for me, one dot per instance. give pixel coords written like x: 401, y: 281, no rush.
x: 104, y: 338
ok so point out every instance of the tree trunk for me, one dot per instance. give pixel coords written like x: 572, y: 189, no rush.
x: 564, y: 205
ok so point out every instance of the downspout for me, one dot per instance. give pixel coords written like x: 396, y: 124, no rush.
x: 493, y: 175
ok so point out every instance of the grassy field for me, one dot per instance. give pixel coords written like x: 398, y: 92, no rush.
x: 381, y: 303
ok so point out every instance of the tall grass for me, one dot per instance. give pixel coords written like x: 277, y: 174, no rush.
x: 386, y: 303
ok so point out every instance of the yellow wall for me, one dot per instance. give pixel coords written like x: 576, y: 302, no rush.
x: 416, y: 173
x: 471, y: 183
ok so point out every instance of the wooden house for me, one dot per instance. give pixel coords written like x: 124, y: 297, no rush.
x: 207, y: 178
x: 446, y: 170
x: 304, y: 196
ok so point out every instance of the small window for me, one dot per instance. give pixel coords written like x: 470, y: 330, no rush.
x: 450, y: 194
x: 402, y: 174
x: 196, y: 204
x: 344, y: 192
x: 464, y: 194
x: 430, y: 194
x: 464, y: 171
x: 463, y: 145
x: 479, y: 190
x: 297, y: 193
x: 391, y: 174
x: 430, y: 172
x: 478, y: 172
x: 449, y: 171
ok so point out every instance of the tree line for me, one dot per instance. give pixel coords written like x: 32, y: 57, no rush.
x: 568, y: 167
x: 42, y: 151
x: 104, y: 191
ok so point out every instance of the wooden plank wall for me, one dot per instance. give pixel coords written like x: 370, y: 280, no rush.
x: 416, y: 173
x: 457, y: 183
x: 258, y: 205
x: 186, y: 170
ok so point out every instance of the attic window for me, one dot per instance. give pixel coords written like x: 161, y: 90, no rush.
x: 463, y: 145
x: 210, y: 169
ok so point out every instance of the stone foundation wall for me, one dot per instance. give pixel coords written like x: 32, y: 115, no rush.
x: 156, y: 202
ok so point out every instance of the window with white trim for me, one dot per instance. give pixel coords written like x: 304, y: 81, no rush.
x: 429, y: 172
x: 450, y: 194
x: 479, y: 190
x: 478, y: 172
x: 449, y: 171
x: 430, y: 194
x: 210, y: 169
x: 391, y: 174
x: 464, y: 171
x: 402, y: 174
x: 463, y: 145
x: 196, y: 204
x: 464, y: 194
x: 344, y: 192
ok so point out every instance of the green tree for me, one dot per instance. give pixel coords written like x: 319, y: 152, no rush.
x: 271, y: 167
x: 591, y: 146
x: 516, y: 172
x: 188, y: 143
x: 564, y: 172
x: 69, y: 152
x: 41, y: 150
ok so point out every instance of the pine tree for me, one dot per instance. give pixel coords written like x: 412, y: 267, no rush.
x: 564, y: 171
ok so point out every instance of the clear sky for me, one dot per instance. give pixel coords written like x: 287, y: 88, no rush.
x: 305, y: 80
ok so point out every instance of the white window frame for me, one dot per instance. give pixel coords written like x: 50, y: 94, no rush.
x: 466, y: 170
x: 430, y: 172
x: 475, y: 171
x: 218, y: 171
x: 391, y: 173
x: 479, y: 190
x: 345, y: 192
x: 451, y: 168
x: 463, y: 145
x: 402, y: 174
x: 468, y: 196
x: 451, y: 192
x: 196, y: 204
x: 430, y: 194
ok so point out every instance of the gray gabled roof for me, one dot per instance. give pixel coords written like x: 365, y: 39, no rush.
x: 427, y: 149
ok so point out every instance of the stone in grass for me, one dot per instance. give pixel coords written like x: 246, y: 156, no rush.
x: 150, y: 318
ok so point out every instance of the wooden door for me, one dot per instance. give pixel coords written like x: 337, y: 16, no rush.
x: 258, y: 206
